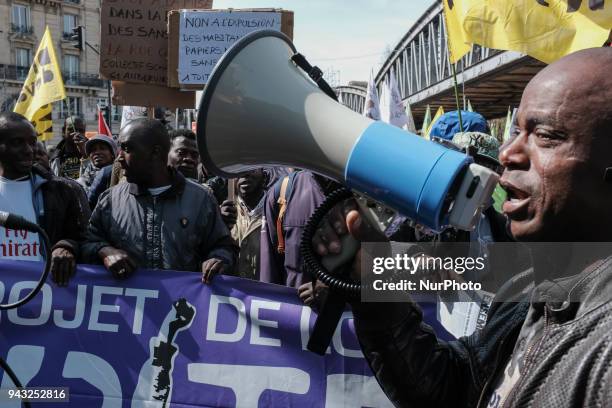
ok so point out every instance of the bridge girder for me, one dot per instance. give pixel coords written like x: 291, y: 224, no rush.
x: 492, y: 80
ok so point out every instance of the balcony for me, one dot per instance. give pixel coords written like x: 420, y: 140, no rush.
x: 81, y: 79
x: 73, y: 1
x: 14, y: 72
x: 17, y: 73
x: 22, y: 29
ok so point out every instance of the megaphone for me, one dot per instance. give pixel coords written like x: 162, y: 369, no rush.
x: 260, y: 109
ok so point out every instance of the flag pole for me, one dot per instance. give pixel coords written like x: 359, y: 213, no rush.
x: 457, y: 96
x: 69, y: 114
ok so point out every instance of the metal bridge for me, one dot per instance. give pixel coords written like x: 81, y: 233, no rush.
x: 492, y: 80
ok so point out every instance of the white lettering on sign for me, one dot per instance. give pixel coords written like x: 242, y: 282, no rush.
x: 103, y: 305
x: 239, y: 310
x: 204, y: 36
x: 45, y: 309
x: 257, y: 323
x: 213, y: 313
x: 254, y: 380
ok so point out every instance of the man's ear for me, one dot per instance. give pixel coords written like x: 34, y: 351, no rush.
x: 608, y: 175
x: 156, y: 151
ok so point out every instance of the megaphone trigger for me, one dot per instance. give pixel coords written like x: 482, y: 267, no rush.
x: 349, y: 248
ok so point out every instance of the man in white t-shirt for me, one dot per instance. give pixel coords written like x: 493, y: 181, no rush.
x: 30, y: 191
x: 16, y: 198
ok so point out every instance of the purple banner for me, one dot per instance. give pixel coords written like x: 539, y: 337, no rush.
x: 162, y: 338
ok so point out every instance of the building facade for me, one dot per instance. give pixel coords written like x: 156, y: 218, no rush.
x: 22, y: 25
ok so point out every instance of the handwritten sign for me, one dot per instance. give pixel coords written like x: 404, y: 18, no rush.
x: 204, y: 36
x: 134, y: 43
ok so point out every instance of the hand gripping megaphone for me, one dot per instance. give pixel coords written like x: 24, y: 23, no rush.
x: 259, y: 108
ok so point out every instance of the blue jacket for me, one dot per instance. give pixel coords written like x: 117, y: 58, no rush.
x: 100, y: 184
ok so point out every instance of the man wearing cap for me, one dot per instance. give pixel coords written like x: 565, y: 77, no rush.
x: 101, y: 151
x: 448, y: 124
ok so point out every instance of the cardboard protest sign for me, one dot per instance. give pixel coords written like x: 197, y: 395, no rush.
x: 125, y: 93
x: 134, y: 38
x: 199, y: 38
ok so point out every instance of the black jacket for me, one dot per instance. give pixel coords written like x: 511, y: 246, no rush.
x: 569, y: 366
x: 61, y: 209
x: 178, y: 229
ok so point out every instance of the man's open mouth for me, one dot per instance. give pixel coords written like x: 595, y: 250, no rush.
x: 517, y: 199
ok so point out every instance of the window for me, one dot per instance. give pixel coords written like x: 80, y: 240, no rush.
x: 23, y: 59
x: 116, y: 112
x: 75, y: 107
x: 71, y: 68
x: 70, y: 22
x: 21, y: 19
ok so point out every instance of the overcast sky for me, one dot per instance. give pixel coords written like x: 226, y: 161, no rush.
x: 349, y: 36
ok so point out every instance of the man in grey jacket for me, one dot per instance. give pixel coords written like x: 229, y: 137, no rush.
x: 158, y: 219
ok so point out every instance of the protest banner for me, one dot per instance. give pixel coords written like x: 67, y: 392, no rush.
x: 162, y: 338
x: 199, y: 38
x: 129, y: 113
x: 134, y: 38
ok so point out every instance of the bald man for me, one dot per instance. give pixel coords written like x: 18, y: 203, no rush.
x: 548, y: 337
x: 158, y: 219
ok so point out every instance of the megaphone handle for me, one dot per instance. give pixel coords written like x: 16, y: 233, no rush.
x: 326, y: 323
x: 231, y: 189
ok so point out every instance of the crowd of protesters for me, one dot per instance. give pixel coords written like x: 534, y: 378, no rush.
x: 147, y: 201
x: 151, y: 203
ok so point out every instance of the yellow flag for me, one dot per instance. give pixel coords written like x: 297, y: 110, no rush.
x: 459, y: 42
x: 508, y: 125
x: 544, y: 29
x: 439, y: 113
x: 44, y: 83
x: 426, y: 122
x: 43, y: 122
